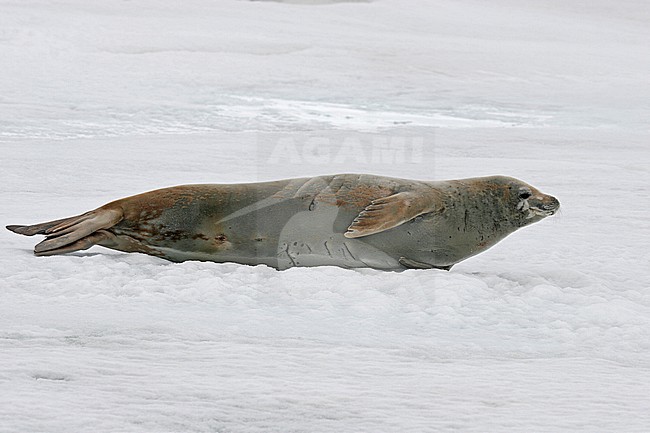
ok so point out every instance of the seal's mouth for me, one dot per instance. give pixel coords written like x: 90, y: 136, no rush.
x: 542, y: 206
x: 541, y: 211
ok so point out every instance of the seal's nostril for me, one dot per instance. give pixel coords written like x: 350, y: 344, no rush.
x: 550, y: 204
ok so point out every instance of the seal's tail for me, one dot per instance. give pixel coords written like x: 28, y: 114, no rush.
x: 72, y: 234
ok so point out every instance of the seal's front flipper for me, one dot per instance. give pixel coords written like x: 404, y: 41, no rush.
x: 414, y: 264
x: 388, y: 212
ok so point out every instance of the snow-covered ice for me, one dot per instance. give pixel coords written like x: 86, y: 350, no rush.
x: 549, y: 331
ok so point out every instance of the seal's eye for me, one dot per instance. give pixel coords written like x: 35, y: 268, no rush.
x: 524, y: 194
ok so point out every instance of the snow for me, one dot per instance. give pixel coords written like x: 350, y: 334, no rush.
x: 549, y: 331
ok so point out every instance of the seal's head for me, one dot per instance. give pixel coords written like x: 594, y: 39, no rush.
x: 529, y: 204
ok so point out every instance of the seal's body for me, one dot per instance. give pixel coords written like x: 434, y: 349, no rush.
x: 346, y: 220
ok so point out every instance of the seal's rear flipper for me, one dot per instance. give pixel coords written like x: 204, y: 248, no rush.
x: 41, y: 229
x: 99, y: 237
x: 72, y: 234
